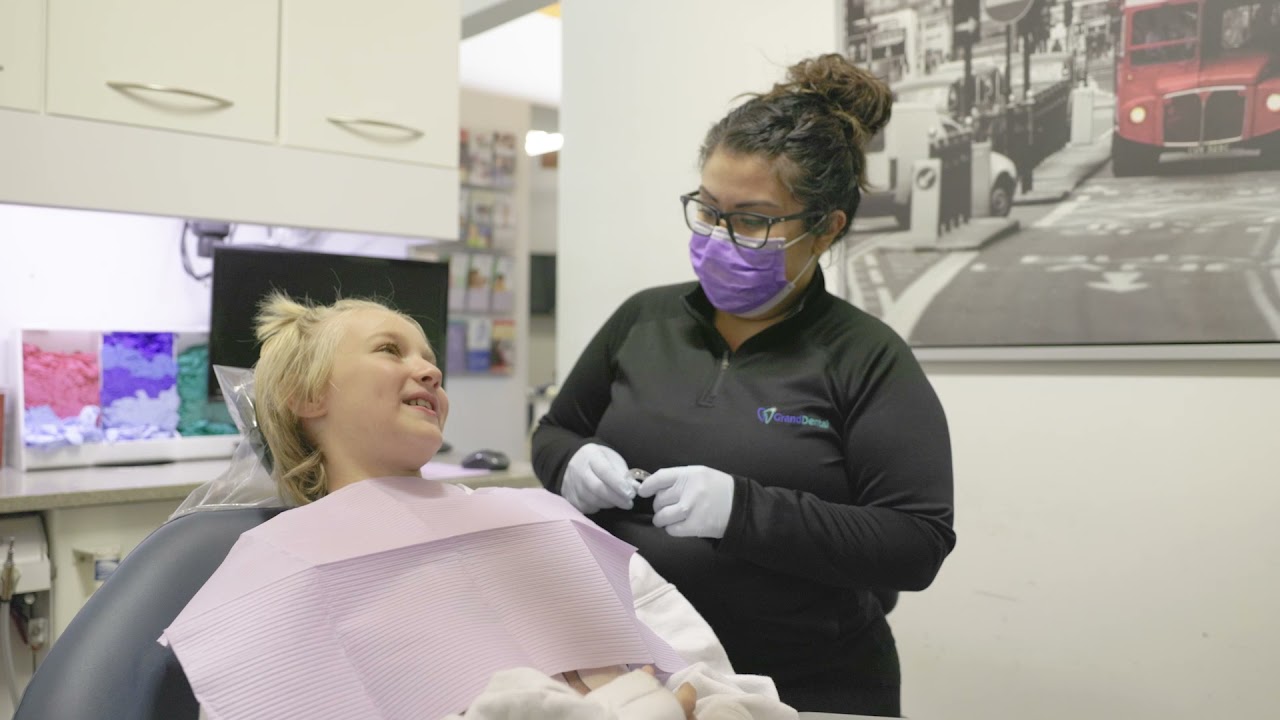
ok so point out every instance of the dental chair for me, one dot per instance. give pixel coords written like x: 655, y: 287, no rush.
x: 107, y: 665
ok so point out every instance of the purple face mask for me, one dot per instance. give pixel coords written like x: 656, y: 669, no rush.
x: 742, y: 281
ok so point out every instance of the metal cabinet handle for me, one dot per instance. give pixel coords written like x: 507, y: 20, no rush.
x: 353, y: 123
x: 129, y: 88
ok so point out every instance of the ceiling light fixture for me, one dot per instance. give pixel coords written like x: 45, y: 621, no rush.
x: 539, y: 142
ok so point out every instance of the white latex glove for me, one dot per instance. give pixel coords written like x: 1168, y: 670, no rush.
x: 690, y: 501
x: 597, y: 479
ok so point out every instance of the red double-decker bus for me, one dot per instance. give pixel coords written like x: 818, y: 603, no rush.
x: 1195, y: 76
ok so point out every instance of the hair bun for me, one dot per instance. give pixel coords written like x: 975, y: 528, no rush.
x: 853, y: 93
x: 278, y: 311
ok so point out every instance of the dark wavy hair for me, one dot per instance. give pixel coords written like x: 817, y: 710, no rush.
x: 814, y: 128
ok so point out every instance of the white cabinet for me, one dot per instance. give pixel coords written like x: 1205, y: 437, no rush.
x: 356, y: 131
x: 378, y: 79
x: 21, y: 53
x: 199, y: 66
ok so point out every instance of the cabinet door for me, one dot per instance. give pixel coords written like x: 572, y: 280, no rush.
x: 379, y: 79
x: 21, y: 53
x: 201, y: 66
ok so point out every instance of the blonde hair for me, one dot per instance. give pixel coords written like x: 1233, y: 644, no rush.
x: 299, y: 341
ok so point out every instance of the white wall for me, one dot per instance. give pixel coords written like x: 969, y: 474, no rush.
x: 62, y: 269
x: 1115, y: 557
x: 489, y: 412
x: 642, y: 84
x: 542, y: 351
x: 544, y: 188
x: 544, y: 229
x: 1117, y: 545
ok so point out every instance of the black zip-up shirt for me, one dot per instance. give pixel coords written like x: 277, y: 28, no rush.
x: 839, y: 451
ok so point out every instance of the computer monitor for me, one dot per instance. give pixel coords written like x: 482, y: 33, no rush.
x: 243, y: 275
x: 542, y: 284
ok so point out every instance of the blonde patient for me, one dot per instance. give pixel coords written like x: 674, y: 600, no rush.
x: 351, y: 391
x: 354, y: 378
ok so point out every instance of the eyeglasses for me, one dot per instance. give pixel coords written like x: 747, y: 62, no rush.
x: 746, y: 229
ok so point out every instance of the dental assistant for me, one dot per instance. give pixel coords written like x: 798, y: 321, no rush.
x: 800, y: 459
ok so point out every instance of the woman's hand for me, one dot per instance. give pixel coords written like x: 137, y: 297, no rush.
x: 690, y: 501
x: 597, y: 479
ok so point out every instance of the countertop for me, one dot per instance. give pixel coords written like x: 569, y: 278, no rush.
x: 107, y: 485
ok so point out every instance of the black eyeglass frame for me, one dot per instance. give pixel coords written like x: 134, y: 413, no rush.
x: 749, y: 243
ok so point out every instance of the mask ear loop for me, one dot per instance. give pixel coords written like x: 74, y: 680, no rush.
x: 802, y: 235
x: 830, y: 252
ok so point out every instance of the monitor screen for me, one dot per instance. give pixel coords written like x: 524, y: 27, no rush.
x: 542, y: 284
x: 243, y: 275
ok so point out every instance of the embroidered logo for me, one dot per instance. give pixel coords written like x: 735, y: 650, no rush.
x: 771, y: 415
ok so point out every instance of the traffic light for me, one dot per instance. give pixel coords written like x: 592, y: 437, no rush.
x: 855, y: 11
x: 966, y: 21
x: 1035, y: 24
x: 1067, y: 13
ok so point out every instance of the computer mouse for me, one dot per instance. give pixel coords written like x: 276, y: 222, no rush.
x: 486, y: 460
